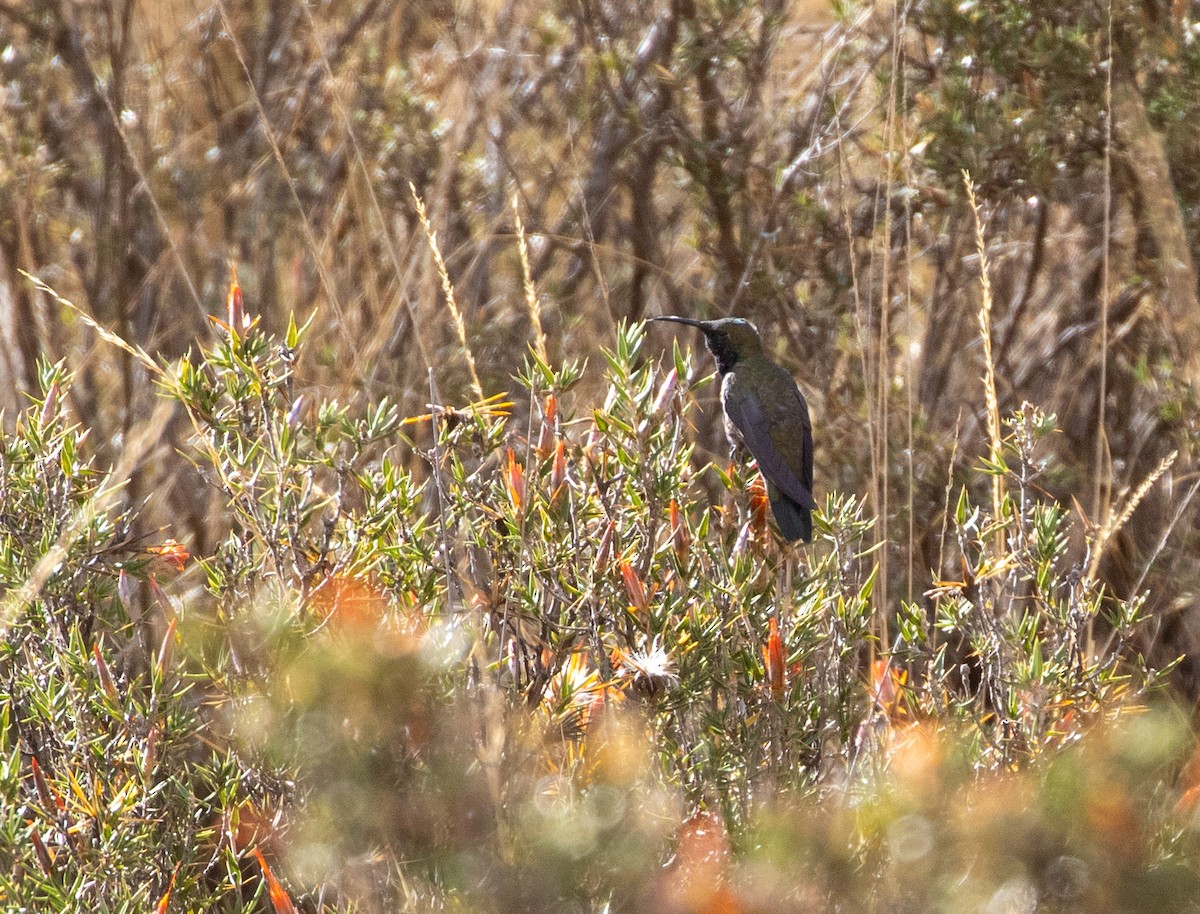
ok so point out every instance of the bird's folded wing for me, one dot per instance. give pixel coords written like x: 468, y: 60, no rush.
x: 747, y: 415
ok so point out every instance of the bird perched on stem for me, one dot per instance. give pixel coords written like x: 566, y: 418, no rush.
x: 766, y: 414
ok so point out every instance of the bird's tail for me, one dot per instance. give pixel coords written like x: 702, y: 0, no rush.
x: 795, y: 521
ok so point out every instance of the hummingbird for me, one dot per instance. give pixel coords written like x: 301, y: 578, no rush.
x: 767, y: 415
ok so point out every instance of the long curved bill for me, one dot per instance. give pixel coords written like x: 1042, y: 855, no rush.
x: 679, y: 320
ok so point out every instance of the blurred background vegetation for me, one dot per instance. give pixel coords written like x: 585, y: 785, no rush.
x: 432, y: 650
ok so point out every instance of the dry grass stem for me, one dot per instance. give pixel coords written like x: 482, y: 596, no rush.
x: 448, y: 289
x: 995, y: 444
x: 531, y: 299
x: 107, y: 335
x: 1113, y: 525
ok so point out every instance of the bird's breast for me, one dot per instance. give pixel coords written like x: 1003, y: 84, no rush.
x: 733, y: 392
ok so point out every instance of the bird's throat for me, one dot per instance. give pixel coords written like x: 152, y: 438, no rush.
x: 722, y: 350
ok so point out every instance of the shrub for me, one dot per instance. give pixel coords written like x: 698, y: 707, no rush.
x: 569, y: 668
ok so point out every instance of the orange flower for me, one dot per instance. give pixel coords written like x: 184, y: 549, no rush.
x: 165, y: 901
x: 174, y: 555
x: 237, y: 315
x: 773, y: 655
x: 280, y: 899
x: 887, y: 688
x: 516, y: 481
x: 758, y: 506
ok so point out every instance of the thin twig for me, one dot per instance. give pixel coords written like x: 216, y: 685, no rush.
x: 1102, y: 471
x: 438, y: 487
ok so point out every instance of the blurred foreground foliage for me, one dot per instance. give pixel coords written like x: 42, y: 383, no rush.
x: 556, y: 674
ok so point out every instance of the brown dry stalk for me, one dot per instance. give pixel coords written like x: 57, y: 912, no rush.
x: 447, y: 288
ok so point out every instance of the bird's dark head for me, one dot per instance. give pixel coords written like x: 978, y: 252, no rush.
x: 730, y: 339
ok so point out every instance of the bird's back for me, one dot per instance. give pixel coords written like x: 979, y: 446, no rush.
x: 761, y: 387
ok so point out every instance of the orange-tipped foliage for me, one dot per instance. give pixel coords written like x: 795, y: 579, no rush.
x: 679, y: 533
x: 106, y: 680
x: 558, y: 472
x: 773, y: 655
x: 634, y: 588
x: 280, y: 900
x: 549, y: 432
